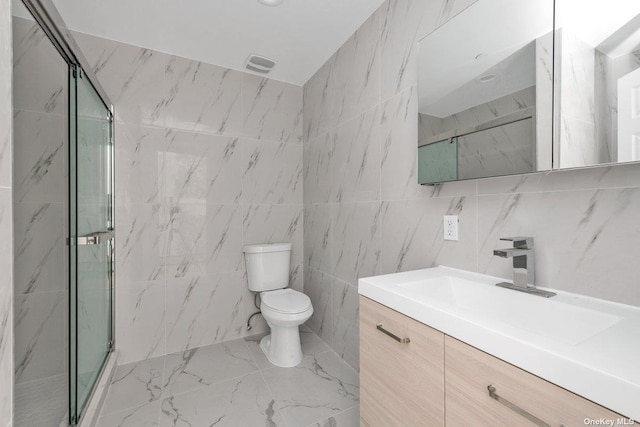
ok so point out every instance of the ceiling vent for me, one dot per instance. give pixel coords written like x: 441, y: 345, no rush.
x: 259, y: 64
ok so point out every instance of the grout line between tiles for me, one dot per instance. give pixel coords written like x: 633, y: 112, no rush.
x: 163, y: 398
x: 271, y: 394
x: 329, y: 350
x: 509, y: 193
x: 334, y: 415
x: 130, y: 411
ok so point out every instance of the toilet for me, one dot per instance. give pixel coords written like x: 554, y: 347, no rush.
x: 284, y: 309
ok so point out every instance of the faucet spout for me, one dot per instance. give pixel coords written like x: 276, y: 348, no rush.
x: 523, y: 266
x: 523, y: 261
x: 511, y: 252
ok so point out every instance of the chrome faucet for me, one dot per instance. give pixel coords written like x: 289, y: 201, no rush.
x: 523, y: 266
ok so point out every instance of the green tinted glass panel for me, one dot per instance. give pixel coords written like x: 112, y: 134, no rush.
x: 438, y: 162
x: 91, y: 196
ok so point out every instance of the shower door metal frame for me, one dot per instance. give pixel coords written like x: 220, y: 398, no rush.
x: 50, y: 21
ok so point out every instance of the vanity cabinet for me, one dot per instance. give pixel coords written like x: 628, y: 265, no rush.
x: 400, y: 383
x: 411, y: 383
x: 523, y: 399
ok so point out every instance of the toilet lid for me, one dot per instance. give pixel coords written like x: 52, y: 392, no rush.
x: 286, y: 301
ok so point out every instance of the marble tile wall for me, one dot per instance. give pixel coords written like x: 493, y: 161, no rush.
x: 365, y: 213
x: 431, y: 126
x: 544, y: 102
x: 503, y: 150
x: 579, y: 142
x: 606, y: 102
x: 608, y: 71
x: 40, y: 131
x: 40, y: 121
x: 6, y: 218
x: 207, y: 160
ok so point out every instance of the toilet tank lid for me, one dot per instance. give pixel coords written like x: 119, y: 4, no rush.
x: 266, y: 247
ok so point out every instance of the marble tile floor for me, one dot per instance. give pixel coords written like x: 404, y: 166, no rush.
x: 233, y: 384
x: 41, y: 403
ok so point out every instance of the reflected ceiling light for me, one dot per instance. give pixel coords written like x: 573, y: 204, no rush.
x: 487, y: 78
x: 271, y: 2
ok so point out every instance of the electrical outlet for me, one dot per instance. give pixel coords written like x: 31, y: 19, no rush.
x: 450, y: 227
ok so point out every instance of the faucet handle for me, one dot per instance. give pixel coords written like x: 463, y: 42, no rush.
x: 520, y: 242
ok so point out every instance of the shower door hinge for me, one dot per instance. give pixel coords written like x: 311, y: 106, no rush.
x: 77, y: 72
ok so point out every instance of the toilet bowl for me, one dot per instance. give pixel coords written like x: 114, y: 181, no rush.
x: 283, y: 309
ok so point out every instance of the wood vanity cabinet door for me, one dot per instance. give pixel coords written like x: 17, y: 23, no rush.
x: 400, y: 384
x: 468, y: 373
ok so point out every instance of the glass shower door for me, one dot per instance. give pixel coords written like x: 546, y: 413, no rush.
x: 91, y: 226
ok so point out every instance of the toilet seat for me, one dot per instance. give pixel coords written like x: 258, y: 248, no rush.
x: 286, y: 301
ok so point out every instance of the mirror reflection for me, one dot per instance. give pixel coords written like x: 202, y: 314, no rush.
x: 485, y: 91
x: 598, y: 74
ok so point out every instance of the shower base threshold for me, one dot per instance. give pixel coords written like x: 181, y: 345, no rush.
x: 92, y: 411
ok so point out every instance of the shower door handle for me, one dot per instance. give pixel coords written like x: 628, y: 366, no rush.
x: 94, y: 238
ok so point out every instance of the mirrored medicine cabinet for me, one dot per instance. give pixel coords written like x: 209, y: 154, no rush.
x: 502, y: 90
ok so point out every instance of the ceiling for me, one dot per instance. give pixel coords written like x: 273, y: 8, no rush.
x: 594, y: 21
x: 502, y: 30
x: 299, y: 35
x: 499, y: 30
x: 513, y: 74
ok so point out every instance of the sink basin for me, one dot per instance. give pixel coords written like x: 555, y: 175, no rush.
x: 549, y: 318
x: 586, y: 345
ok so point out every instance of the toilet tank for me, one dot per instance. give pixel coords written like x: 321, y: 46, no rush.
x: 267, y: 266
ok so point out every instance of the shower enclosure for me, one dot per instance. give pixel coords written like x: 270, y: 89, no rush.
x: 64, y: 226
x: 91, y: 235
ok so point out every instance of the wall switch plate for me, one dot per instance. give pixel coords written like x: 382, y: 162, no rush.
x: 451, y: 227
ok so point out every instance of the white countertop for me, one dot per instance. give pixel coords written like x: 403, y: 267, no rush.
x: 586, y: 345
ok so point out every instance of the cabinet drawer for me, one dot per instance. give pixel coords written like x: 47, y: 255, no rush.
x: 469, y: 373
x: 401, y: 384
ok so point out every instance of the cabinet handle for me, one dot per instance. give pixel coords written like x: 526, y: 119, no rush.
x: 392, y: 335
x: 537, y: 421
